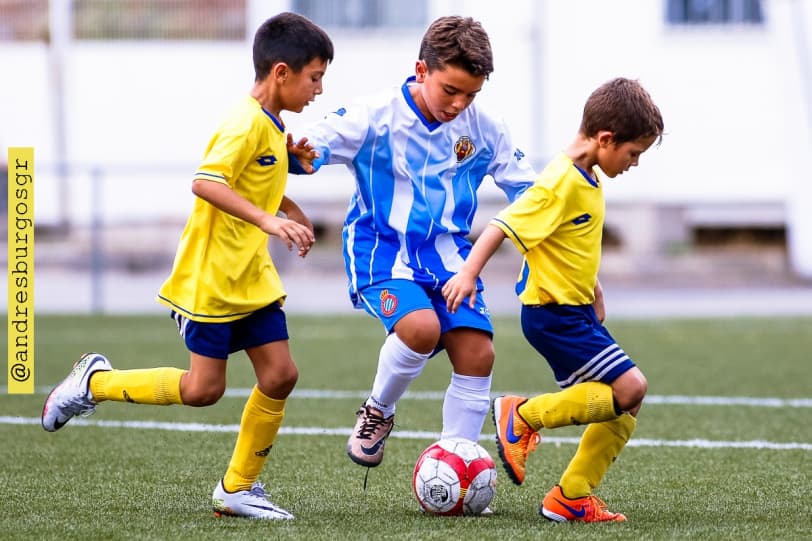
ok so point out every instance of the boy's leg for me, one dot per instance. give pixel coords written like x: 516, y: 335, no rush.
x: 398, y: 366
x: 264, y: 337
x: 413, y: 332
x: 157, y: 386
x: 572, y: 499
x: 583, y: 359
x: 467, y: 398
x: 239, y: 493
x: 584, y: 403
x: 467, y: 336
x: 261, y: 418
x: 600, y: 445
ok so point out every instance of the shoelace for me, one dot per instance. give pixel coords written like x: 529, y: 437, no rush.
x: 371, y: 424
x: 258, y: 490
x: 597, y: 506
x: 78, y: 403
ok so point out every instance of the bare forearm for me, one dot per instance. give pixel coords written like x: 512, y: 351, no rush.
x: 224, y: 198
x: 483, y: 249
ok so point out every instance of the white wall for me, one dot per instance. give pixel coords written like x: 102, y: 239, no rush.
x: 734, y: 102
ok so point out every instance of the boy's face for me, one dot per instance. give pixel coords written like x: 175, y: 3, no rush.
x: 297, y: 90
x: 444, y: 93
x: 616, y: 158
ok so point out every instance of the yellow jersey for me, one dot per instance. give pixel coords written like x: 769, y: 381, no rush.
x: 223, y: 270
x: 557, y: 224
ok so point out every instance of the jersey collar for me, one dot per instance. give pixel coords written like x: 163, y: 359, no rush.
x: 588, y: 177
x: 275, y: 120
x: 410, y: 101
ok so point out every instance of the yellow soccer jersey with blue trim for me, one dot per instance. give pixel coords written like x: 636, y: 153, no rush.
x: 558, y: 225
x: 223, y: 270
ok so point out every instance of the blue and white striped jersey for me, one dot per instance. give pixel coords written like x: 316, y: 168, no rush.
x: 416, y: 184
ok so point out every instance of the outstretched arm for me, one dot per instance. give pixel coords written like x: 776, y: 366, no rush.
x: 301, y: 156
x: 462, y: 285
x: 224, y: 198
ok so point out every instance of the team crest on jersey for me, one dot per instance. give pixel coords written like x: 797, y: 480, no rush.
x: 463, y: 148
x: 270, y: 159
x: 389, y: 303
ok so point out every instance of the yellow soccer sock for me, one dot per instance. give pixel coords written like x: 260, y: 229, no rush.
x: 260, y: 422
x: 589, y: 402
x: 158, y: 386
x: 600, y: 446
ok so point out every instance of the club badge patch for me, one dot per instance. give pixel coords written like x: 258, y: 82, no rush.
x: 464, y: 148
x: 389, y: 303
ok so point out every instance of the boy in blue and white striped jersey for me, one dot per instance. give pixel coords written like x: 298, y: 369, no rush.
x: 419, y: 154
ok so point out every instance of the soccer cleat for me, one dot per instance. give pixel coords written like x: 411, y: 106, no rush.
x: 246, y: 503
x: 515, y: 439
x: 558, y: 508
x: 72, y: 397
x: 365, y: 445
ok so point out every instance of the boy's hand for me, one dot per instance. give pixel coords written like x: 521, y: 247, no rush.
x: 304, y: 152
x: 290, y: 232
x: 458, y: 288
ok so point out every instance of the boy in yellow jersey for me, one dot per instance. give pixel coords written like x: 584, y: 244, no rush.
x: 224, y: 292
x: 557, y: 224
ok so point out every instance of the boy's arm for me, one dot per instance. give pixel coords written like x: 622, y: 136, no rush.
x: 293, y: 212
x: 599, y: 305
x: 302, y: 156
x: 224, y: 198
x: 462, y: 285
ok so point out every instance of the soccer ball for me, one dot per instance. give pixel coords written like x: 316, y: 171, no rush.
x: 454, y: 476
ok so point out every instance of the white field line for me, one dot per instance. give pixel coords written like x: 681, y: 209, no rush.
x: 684, y: 400
x: 410, y: 434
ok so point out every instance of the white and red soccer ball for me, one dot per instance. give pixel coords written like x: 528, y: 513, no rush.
x: 454, y: 476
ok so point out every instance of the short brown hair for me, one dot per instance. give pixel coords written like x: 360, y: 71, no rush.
x: 623, y: 107
x: 457, y: 41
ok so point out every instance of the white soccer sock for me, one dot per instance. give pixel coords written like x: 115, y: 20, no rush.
x: 465, y: 407
x: 398, y: 366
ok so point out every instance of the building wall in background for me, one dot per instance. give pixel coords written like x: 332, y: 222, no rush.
x: 736, y: 103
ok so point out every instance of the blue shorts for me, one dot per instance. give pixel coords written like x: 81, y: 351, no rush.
x: 218, y: 340
x: 389, y: 301
x: 576, y: 345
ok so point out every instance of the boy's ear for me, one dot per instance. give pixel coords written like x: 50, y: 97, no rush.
x: 605, y: 138
x: 280, y: 71
x: 420, y: 71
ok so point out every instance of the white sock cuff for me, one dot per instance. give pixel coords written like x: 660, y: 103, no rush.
x: 472, y: 384
x: 404, y: 351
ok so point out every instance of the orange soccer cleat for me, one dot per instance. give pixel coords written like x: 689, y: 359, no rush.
x: 559, y: 508
x: 515, y: 439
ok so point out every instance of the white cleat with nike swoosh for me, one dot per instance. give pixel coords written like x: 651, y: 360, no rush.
x: 72, y: 397
x: 252, y: 503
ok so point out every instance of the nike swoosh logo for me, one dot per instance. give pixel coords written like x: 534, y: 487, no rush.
x: 511, y: 436
x: 580, y: 512
x: 369, y: 451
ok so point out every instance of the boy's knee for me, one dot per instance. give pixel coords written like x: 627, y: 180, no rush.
x: 198, y: 397
x: 420, y: 332
x: 629, y: 390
